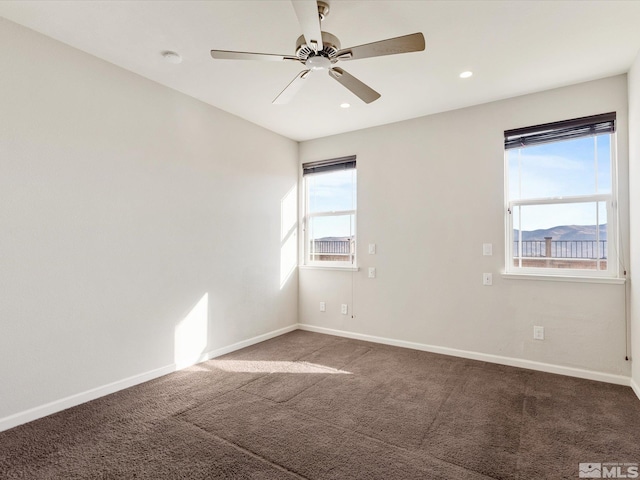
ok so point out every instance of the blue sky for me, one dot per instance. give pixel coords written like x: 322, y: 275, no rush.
x: 560, y: 169
x: 332, y: 191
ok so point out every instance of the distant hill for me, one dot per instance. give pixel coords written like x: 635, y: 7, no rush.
x: 561, y: 232
x: 565, y: 232
x: 334, y: 239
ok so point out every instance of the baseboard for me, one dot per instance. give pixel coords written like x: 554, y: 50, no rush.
x: 86, y: 396
x: 237, y: 346
x: 635, y: 388
x: 251, y: 341
x: 71, y: 401
x: 484, y: 357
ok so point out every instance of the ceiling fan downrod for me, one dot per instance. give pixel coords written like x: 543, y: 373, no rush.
x: 323, y: 9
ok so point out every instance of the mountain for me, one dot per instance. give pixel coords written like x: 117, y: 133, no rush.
x: 561, y: 232
x: 334, y: 239
x: 564, y: 232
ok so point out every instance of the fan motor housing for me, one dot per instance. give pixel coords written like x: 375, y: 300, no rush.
x: 330, y: 47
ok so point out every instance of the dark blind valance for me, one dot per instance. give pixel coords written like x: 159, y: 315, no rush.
x: 556, y: 131
x: 342, y: 163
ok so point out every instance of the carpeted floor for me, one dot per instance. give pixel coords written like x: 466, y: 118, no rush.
x: 306, y: 405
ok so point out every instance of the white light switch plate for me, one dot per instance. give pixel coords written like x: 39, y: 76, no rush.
x: 538, y: 333
x: 487, y: 249
x: 372, y: 272
x: 344, y: 309
x: 372, y: 248
x: 487, y: 279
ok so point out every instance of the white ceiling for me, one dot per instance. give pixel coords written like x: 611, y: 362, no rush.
x: 513, y: 47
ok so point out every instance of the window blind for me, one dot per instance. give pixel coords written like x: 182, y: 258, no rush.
x: 556, y: 131
x: 342, y: 163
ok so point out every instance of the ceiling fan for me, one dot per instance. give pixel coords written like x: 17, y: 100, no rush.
x: 320, y: 51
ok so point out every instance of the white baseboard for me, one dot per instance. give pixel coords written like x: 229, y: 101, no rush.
x: 635, y: 388
x: 237, y: 346
x: 484, y: 357
x: 86, y: 396
x: 251, y: 341
x: 71, y: 401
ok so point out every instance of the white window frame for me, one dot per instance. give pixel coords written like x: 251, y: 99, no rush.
x: 351, y: 261
x: 611, y: 202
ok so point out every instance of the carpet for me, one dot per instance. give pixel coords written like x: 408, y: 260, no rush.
x: 311, y: 406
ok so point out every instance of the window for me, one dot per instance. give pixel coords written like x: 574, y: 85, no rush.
x: 330, y: 212
x: 561, y: 198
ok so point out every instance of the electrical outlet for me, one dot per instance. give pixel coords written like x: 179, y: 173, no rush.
x: 323, y: 307
x: 538, y: 333
x: 344, y: 309
x: 372, y: 272
x: 487, y: 279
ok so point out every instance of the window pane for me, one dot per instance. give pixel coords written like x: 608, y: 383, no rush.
x: 332, y: 191
x: 604, y: 163
x: 332, y: 238
x: 560, y: 236
x: 561, y: 169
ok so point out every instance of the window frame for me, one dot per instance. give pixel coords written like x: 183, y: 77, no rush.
x: 323, y: 168
x: 609, y: 199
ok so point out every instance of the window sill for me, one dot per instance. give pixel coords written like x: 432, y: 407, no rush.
x: 563, y: 278
x: 332, y: 267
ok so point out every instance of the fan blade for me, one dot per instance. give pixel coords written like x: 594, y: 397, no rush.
x: 307, y: 13
x: 289, y: 92
x: 229, y: 55
x: 391, y: 46
x: 366, y: 93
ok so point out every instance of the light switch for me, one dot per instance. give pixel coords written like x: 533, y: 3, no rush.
x: 487, y: 249
x: 487, y: 279
x: 538, y: 333
x: 372, y: 272
x: 372, y: 249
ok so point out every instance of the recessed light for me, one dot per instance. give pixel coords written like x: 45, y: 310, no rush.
x: 466, y: 74
x: 345, y: 105
x: 172, y: 57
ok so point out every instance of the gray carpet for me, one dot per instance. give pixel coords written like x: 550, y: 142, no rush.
x: 306, y: 405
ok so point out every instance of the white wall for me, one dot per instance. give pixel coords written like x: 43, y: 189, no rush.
x: 430, y: 193
x: 124, y: 204
x: 634, y: 208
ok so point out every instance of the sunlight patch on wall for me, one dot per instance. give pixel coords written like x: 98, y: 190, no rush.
x: 191, y: 335
x: 265, y: 366
x: 288, y: 234
x: 288, y: 258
